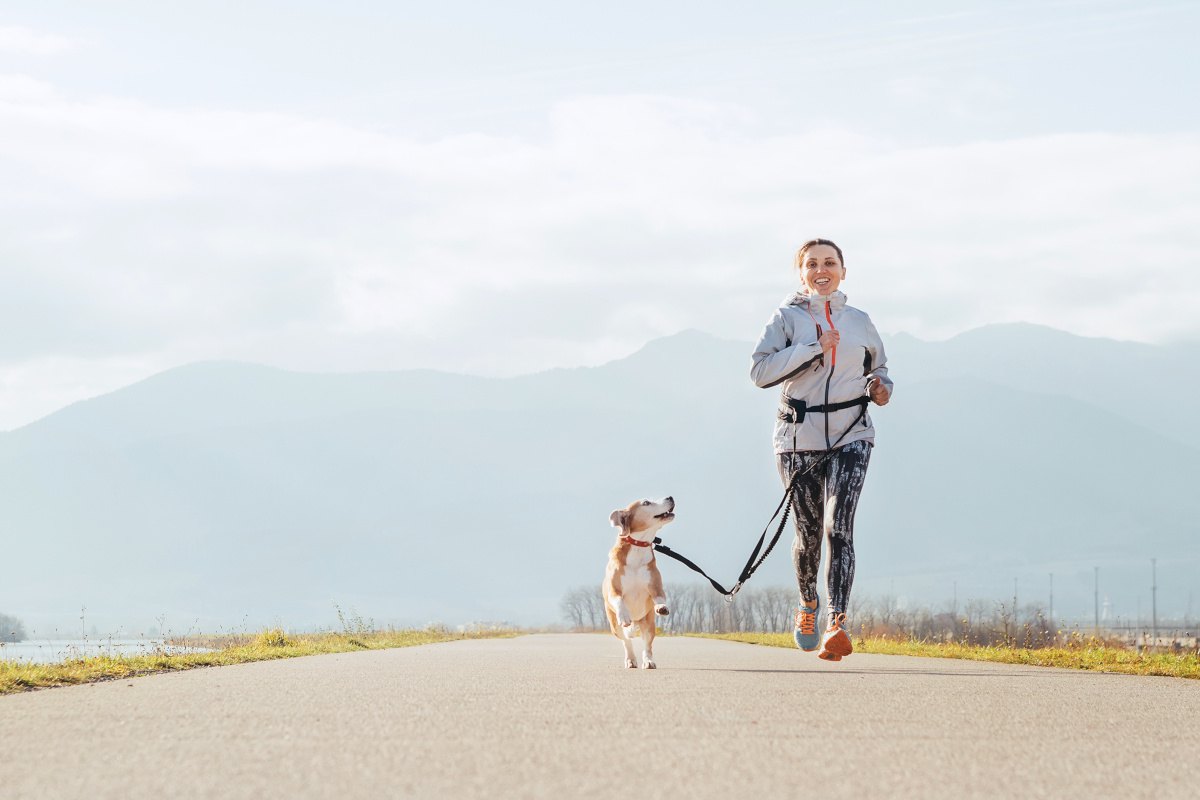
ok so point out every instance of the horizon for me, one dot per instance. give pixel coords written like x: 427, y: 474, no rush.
x: 193, y: 485
x: 635, y: 351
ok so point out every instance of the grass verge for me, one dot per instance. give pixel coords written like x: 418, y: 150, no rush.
x: 16, y: 676
x: 1096, y: 658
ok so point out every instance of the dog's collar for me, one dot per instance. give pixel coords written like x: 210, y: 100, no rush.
x: 635, y: 542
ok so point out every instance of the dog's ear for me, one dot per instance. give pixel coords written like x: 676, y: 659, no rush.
x: 617, y: 518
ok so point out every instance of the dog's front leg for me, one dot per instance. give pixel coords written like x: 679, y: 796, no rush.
x: 659, y: 595
x: 621, y: 610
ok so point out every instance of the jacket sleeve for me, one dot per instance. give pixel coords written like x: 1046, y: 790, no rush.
x: 879, y: 367
x: 776, y: 358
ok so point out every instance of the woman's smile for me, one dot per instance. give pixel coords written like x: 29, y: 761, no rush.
x: 822, y: 269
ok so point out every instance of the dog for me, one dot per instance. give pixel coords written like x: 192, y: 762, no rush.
x: 633, y: 590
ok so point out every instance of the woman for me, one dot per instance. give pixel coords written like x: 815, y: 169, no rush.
x: 830, y: 360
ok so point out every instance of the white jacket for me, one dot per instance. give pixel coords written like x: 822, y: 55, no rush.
x: 788, y: 353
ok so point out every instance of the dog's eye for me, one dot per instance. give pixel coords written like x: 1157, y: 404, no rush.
x: 645, y: 502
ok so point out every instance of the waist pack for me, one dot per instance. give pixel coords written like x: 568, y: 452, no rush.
x: 794, y: 410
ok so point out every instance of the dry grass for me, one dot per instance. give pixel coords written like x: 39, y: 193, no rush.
x: 17, y: 676
x: 1085, y: 654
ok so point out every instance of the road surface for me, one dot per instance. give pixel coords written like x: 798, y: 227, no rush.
x: 555, y: 716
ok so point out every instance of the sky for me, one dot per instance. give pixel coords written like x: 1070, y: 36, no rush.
x: 504, y: 188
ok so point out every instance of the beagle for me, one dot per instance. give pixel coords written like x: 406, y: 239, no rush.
x: 633, y: 590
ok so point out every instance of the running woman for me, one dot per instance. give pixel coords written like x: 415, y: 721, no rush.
x: 829, y: 359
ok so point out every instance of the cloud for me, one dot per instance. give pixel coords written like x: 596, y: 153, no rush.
x: 23, y: 41
x: 144, y: 235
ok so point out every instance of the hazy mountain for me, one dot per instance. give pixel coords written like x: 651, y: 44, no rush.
x: 227, y: 492
x: 1146, y: 384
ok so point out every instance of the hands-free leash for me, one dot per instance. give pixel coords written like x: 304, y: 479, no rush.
x: 785, y: 506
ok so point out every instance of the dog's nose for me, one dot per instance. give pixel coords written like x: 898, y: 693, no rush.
x: 671, y: 500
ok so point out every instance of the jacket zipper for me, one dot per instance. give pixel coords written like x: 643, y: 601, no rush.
x: 829, y: 379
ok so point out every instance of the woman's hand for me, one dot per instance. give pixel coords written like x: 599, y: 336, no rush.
x: 829, y: 340
x: 878, y: 392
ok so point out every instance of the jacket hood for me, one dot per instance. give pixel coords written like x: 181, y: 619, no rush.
x: 803, y: 299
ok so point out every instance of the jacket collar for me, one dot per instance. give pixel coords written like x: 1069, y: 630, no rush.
x: 803, y: 299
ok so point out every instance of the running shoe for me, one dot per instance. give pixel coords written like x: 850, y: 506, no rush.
x: 836, y: 642
x: 807, y: 638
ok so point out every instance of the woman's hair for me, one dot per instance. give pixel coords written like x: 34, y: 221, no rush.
x: 804, y: 248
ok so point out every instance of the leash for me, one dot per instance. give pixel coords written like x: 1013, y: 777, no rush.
x: 755, y: 560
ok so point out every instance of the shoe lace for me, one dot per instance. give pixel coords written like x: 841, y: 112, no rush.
x: 806, y: 620
x: 837, y: 621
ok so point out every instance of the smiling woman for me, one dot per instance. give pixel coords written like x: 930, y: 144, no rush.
x: 823, y: 435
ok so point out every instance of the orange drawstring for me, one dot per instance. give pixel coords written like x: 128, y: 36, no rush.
x: 833, y: 352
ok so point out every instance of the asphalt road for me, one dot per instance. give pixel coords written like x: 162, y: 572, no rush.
x: 556, y: 716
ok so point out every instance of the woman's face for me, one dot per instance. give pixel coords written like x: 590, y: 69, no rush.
x: 821, y: 269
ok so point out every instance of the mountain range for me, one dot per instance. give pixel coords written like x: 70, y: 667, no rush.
x: 218, y: 495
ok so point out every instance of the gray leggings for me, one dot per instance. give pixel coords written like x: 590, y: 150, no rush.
x: 824, y: 505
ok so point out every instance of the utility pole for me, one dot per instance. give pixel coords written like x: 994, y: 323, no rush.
x: 1051, y: 620
x: 1154, y: 598
x: 1097, y: 584
x: 1015, y: 622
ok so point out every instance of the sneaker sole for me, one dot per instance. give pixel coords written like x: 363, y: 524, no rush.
x: 838, y: 646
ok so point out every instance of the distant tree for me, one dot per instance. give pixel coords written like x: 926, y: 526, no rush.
x: 11, y: 629
x: 583, y: 608
x: 572, y: 607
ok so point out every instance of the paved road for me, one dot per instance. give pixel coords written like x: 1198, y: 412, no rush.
x: 556, y: 717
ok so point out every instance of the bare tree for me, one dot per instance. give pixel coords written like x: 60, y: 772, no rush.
x: 11, y: 629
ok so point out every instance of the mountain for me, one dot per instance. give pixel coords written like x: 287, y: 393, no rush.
x: 221, y: 494
x: 1145, y: 384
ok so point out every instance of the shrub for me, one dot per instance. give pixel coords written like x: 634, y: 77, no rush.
x: 272, y: 637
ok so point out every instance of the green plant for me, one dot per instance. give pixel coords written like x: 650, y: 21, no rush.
x: 272, y: 637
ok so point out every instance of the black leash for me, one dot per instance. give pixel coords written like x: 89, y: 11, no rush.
x: 755, y: 561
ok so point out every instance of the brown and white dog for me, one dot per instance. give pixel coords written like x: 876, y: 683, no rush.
x: 633, y: 590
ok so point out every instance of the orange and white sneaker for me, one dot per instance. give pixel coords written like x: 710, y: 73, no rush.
x: 835, y: 644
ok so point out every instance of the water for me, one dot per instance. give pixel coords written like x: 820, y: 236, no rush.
x: 50, y: 651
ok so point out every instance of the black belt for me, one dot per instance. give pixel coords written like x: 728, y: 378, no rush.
x: 796, y: 409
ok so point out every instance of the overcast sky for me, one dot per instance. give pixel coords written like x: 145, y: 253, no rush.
x: 498, y: 188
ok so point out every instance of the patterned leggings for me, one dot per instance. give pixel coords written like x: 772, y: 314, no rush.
x: 824, y: 504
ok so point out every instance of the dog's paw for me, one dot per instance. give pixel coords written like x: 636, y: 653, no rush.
x: 662, y: 610
x: 624, y: 620
x: 630, y: 664
x: 648, y: 664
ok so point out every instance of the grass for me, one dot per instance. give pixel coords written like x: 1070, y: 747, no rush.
x: 16, y: 676
x: 1085, y: 655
